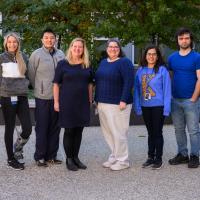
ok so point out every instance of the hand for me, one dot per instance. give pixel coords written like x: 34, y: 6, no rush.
x: 122, y: 105
x: 56, y: 106
x: 193, y: 100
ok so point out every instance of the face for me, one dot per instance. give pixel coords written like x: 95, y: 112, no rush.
x: 48, y: 40
x: 12, y: 44
x: 151, y: 57
x: 113, y: 50
x: 77, y: 49
x: 184, y: 41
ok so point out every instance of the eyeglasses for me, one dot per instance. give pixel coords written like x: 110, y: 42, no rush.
x: 113, y: 47
x: 152, y: 54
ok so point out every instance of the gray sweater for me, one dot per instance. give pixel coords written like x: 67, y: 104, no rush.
x: 11, y: 82
x: 41, y: 71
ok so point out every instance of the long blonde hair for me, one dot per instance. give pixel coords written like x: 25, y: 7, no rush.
x: 84, y: 57
x: 19, y: 58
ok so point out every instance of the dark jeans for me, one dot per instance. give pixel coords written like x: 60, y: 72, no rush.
x: 20, y: 109
x: 72, y: 141
x: 154, y: 120
x: 46, y: 129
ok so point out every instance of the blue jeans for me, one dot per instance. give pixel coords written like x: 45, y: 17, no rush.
x: 186, y: 113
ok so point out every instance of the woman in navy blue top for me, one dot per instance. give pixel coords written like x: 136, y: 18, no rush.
x: 72, y: 96
x: 114, y: 82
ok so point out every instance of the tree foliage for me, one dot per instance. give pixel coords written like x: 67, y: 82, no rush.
x: 140, y: 21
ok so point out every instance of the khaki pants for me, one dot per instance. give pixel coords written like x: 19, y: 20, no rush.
x: 114, y: 124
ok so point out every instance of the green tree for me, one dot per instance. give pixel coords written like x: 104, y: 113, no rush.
x: 147, y: 20
x: 68, y: 18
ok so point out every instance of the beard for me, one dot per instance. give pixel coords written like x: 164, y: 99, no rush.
x: 185, y: 47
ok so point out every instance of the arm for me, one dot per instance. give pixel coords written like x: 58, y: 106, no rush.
x: 196, y: 92
x: 56, y: 90
x: 137, y: 95
x: 32, y: 68
x: 166, y: 92
x: 127, y: 73
x: 90, y: 89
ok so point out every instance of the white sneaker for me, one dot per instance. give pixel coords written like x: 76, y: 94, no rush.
x: 108, y: 164
x: 119, y: 166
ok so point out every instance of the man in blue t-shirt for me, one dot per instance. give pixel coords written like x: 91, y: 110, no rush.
x: 185, y: 67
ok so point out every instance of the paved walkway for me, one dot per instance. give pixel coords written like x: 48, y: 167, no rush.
x: 97, y: 183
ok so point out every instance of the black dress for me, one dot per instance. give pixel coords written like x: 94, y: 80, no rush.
x: 74, y: 95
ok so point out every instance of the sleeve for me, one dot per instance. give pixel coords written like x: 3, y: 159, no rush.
x: 32, y: 68
x: 169, y: 63
x: 198, y: 62
x: 25, y: 57
x: 137, y: 95
x: 58, y: 73
x: 127, y: 73
x: 166, y: 92
x: 91, y: 78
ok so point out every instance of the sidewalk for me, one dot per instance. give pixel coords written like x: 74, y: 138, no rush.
x: 98, y: 183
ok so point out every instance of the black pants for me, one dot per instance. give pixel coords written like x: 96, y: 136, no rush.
x: 72, y: 141
x: 46, y: 129
x: 21, y: 109
x: 154, y: 120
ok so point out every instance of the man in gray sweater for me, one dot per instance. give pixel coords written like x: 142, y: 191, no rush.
x: 43, y: 62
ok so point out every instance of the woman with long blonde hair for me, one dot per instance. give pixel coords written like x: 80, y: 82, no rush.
x: 14, y: 101
x: 72, y: 98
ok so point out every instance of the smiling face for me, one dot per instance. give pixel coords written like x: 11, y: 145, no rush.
x: 48, y: 40
x: 113, y: 50
x: 184, y: 41
x: 77, y: 49
x: 151, y: 57
x: 12, y: 44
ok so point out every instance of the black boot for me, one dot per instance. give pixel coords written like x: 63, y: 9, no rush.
x: 79, y: 164
x: 71, y: 165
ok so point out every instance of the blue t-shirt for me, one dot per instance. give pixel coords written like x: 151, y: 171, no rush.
x: 114, y: 81
x: 157, y: 85
x: 184, y: 73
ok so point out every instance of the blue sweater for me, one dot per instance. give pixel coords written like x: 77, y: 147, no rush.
x: 184, y: 73
x: 158, y: 85
x: 114, y: 81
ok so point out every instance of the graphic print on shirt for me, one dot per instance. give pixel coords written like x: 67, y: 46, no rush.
x: 146, y: 78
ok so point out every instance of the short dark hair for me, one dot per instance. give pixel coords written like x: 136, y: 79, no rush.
x: 48, y: 30
x: 121, y: 53
x: 159, y: 62
x: 182, y: 31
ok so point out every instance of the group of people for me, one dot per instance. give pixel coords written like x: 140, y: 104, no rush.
x: 64, y: 87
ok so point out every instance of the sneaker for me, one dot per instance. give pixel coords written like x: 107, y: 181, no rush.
x: 14, y: 164
x: 119, y: 166
x: 148, y: 163
x: 108, y: 164
x: 54, y: 161
x: 41, y: 163
x: 179, y: 159
x: 157, y: 164
x: 194, y: 162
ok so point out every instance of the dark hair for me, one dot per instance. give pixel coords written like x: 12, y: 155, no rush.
x: 48, y: 30
x: 182, y: 31
x: 121, y: 53
x: 159, y: 62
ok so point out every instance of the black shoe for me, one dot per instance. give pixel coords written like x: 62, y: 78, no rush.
x: 148, y: 163
x: 157, y: 164
x: 41, y: 163
x: 194, y: 162
x: 179, y: 159
x: 54, y: 161
x: 79, y: 164
x: 14, y: 164
x: 71, y: 165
